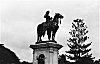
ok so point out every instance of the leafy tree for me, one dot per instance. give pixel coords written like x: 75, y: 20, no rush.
x: 97, y: 61
x: 62, y: 59
x: 79, y: 51
x: 7, y: 56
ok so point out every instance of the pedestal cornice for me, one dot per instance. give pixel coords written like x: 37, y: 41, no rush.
x: 46, y: 45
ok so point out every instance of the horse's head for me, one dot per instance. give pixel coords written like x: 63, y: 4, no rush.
x: 58, y: 16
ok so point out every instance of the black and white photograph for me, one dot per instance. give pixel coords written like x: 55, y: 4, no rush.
x: 49, y: 32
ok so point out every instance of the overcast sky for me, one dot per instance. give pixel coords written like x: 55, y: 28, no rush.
x: 19, y: 20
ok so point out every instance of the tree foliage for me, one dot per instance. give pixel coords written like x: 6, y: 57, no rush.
x: 97, y: 61
x: 62, y: 59
x: 78, y: 45
x: 7, y: 56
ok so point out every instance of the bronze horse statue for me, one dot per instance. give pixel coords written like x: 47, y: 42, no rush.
x: 51, y: 27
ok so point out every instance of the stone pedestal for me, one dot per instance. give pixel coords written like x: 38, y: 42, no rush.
x: 45, y: 53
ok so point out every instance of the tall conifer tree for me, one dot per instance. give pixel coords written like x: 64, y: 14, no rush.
x: 79, y: 51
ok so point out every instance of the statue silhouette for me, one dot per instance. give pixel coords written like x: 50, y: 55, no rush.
x: 51, y: 26
x: 48, y: 18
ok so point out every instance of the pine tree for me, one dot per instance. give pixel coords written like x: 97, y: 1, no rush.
x: 79, y: 51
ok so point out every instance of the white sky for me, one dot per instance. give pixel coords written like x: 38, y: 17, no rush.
x: 19, y: 20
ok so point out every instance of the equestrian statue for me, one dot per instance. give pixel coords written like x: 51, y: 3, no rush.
x: 51, y: 26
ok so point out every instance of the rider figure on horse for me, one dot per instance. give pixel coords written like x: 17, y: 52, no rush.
x: 51, y: 26
x: 48, y: 18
